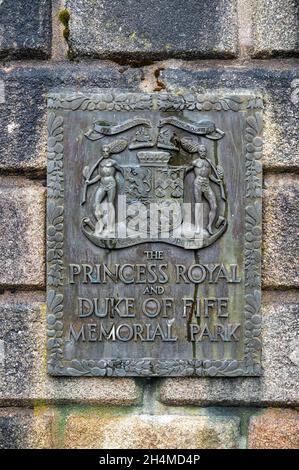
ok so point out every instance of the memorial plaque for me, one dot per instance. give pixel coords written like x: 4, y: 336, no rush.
x: 154, y: 234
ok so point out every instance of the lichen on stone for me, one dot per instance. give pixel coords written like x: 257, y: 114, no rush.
x: 64, y: 18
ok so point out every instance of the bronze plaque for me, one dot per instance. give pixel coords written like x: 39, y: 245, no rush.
x: 154, y: 234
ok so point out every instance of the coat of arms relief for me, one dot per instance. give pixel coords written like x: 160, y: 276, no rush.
x: 156, y: 179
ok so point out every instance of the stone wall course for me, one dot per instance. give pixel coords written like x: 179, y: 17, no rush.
x: 23, y: 135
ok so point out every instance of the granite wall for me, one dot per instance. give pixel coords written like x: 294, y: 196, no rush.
x: 150, y: 46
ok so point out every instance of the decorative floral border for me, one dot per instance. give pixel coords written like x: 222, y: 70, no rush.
x: 120, y: 101
x: 253, y: 240
x: 251, y: 365
x: 55, y: 209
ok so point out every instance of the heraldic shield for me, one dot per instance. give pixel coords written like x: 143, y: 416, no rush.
x: 154, y: 180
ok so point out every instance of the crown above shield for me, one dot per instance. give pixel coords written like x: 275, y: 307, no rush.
x: 151, y: 158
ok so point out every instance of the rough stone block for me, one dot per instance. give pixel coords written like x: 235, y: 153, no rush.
x: 151, y: 432
x: 25, y: 28
x: 145, y: 30
x: 23, y: 132
x: 22, y: 215
x: 280, y: 360
x: 274, y: 429
x: 279, y: 85
x: 275, y: 28
x: 23, y: 375
x: 26, y: 428
x: 281, y: 232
